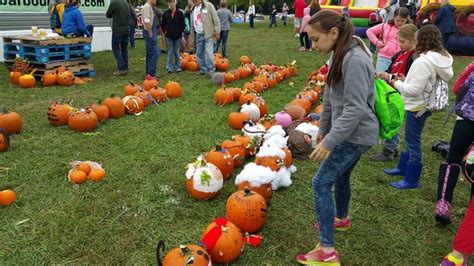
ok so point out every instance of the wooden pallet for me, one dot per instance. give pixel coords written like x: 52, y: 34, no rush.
x: 79, y: 68
x: 51, y: 66
x: 59, y: 40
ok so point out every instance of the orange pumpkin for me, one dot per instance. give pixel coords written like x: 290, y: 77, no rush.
x: 7, y: 197
x: 149, y: 82
x: 159, y: 94
x: 145, y: 96
x: 192, y: 66
x: 115, y: 105
x: 273, y: 162
x: 184, y: 255
x: 101, y: 111
x: 236, y: 74
x: 228, y: 246
x: 244, y: 60
x: 83, y: 120
x: 318, y: 109
x: 131, y: 88
x: 247, y: 97
x: 65, y: 78
x: 267, y: 121
x: 305, y: 103
x: 11, y: 122
x: 77, y: 177
x: 78, y: 81
x: 222, y: 64
x: 236, y: 120
x: 244, y: 72
x: 183, y: 63
x: 173, y: 89
x: 223, y: 96
x: 96, y: 175
x: 247, y: 210
x: 237, y: 92
x: 203, y: 180
x: 217, y: 56
x: 133, y: 104
x: 265, y: 190
x: 49, y: 79
x: 236, y: 149
x: 58, y: 113
x: 288, y: 157
x: 4, y: 140
x: 248, y: 144
x: 295, y: 111
x: 228, y: 77
x: 222, y: 159
x: 15, y: 77
x: 310, y: 94
x: 262, y: 105
x: 27, y: 81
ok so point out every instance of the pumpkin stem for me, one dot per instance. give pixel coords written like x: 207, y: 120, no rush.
x: 131, y: 83
x: 4, y: 109
x: 185, y: 250
x: 33, y: 71
x: 247, y: 192
x: 161, y: 245
x: 218, y: 147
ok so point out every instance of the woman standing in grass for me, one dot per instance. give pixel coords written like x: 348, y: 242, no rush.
x: 348, y: 127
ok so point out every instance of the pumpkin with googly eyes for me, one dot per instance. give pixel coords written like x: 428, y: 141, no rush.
x: 222, y: 159
x: 183, y: 255
x: 270, y: 156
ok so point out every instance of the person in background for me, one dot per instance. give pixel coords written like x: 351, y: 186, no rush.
x: 187, y: 21
x: 273, y: 20
x: 150, y: 35
x: 284, y: 14
x: 251, y: 14
x: 119, y: 12
x: 172, y: 24
x: 305, y: 44
x: 314, y: 7
x: 298, y: 6
x: 73, y: 22
x: 445, y: 21
x: 225, y: 17
x: 132, y: 25
x: 56, y: 12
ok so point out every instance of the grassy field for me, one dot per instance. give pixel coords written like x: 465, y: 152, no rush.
x: 143, y: 199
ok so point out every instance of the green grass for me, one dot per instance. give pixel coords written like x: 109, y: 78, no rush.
x: 143, y: 199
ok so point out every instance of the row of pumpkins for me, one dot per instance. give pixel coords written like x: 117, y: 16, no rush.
x: 189, y: 62
x: 246, y: 209
x: 134, y: 102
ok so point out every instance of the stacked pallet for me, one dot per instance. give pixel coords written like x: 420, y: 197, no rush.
x: 47, y: 54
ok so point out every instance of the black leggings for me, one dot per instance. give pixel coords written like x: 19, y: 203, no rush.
x: 306, y: 40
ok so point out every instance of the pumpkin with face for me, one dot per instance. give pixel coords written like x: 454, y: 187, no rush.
x: 183, y: 255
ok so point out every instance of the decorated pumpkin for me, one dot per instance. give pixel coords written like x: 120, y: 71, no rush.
x: 203, y: 180
x: 159, y: 94
x: 131, y: 89
x: 288, y: 157
x: 49, y: 79
x: 146, y: 97
x: 256, y: 178
x: 267, y: 121
x: 223, y: 159
x: 247, y: 210
x: 283, y: 119
x: 115, y: 105
x: 27, y: 81
x: 133, y: 105
x: 65, y: 78
x: 19, y: 68
x: 270, y: 156
x: 251, y: 109
x: 11, y: 122
x: 173, y: 89
x: 150, y: 82
x: 223, y: 240
x: 236, y: 149
x: 248, y: 143
x: 183, y: 255
x: 101, y: 111
x: 4, y: 140
x: 223, y: 96
x: 247, y: 96
x: 7, y: 197
x: 236, y: 119
x: 83, y: 120
x: 58, y: 113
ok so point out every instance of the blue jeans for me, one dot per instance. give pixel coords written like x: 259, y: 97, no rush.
x: 335, y: 171
x: 173, y: 53
x: 204, y: 53
x: 120, y: 49
x: 392, y: 144
x: 132, y: 36
x: 382, y: 64
x: 413, y: 130
x: 273, y: 21
x: 152, y: 53
x: 223, y: 39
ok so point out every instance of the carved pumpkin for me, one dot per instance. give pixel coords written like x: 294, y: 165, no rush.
x: 65, y: 78
x: 248, y: 143
x: 149, y: 82
x: 27, y: 81
x: 237, y: 92
x: 15, y: 77
x: 192, y: 66
x: 131, y: 89
x: 236, y: 120
x: 133, y: 104
x: 83, y: 120
x: 11, y: 122
x: 115, y: 105
x: 184, y: 255
x: 58, y: 113
x: 223, y: 96
x: 256, y: 178
x: 159, y: 94
x: 203, y: 180
x: 244, y: 60
x: 251, y: 109
x: 101, y: 111
x: 4, y: 140
x: 7, y: 197
x: 222, y: 159
x: 173, y: 89
x: 146, y: 97
x: 223, y: 240
x: 49, y: 79
x: 247, y: 210
x: 236, y: 149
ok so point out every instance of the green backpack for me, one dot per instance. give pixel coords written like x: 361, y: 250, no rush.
x: 389, y: 109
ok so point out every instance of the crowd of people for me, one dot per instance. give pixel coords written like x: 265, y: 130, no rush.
x: 412, y: 60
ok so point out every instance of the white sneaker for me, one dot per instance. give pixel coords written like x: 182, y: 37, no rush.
x: 297, y: 35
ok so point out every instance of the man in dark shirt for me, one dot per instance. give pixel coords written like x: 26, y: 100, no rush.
x: 119, y: 11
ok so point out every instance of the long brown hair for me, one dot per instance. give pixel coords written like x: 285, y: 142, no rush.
x: 324, y: 21
x: 429, y: 39
x: 315, y: 5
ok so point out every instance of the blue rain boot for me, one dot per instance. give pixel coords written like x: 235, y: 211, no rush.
x: 401, y: 168
x: 412, y: 176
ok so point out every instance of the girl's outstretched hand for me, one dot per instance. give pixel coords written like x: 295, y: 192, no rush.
x: 320, y: 153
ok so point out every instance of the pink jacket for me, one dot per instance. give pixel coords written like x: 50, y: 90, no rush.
x: 389, y: 37
x: 306, y: 17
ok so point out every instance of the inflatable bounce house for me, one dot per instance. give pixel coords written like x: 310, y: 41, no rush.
x: 462, y: 42
x: 359, y: 11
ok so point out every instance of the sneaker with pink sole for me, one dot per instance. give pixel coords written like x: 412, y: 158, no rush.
x: 339, y: 224
x: 318, y: 257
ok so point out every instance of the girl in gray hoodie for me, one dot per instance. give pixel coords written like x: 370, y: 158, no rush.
x: 348, y: 127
